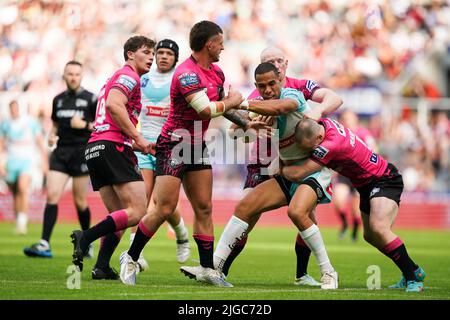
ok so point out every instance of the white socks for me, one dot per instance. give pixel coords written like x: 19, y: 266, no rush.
x: 234, y: 231
x: 313, y: 239
x: 181, y: 231
x: 21, y: 223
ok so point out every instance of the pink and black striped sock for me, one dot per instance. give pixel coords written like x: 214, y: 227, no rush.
x: 237, y: 249
x: 396, y: 250
x: 143, y: 235
x: 303, y: 253
x: 205, y: 246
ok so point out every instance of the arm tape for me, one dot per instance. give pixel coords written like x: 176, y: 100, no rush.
x: 200, y: 102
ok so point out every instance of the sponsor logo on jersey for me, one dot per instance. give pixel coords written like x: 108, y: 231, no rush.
x: 188, y: 79
x: 320, y: 152
x: 311, y: 85
x: 154, y: 111
x: 69, y: 113
x: 59, y: 103
x: 101, y: 128
x: 374, y: 158
x: 81, y: 103
x: 144, y: 82
x: 286, y: 142
x: 127, y: 81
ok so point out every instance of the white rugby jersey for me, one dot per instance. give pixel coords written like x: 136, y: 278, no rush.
x: 155, y: 99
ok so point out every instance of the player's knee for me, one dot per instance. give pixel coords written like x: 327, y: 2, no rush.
x: 298, y: 214
x: 136, y: 212
x: 53, y: 197
x: 203, y: 209
x: 378, y: 230
x: 133, y: 219
x: 243, y: 209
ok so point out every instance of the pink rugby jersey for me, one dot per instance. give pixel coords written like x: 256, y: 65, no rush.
x: 307, y: 87
x: 344, y: 152
x: 128, y: 81
x: 183, y: 120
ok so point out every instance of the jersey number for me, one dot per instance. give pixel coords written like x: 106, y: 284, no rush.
x: 339, y: 127
x: 101, y: 112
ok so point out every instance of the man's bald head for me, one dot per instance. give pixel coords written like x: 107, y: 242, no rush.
x: 277, y: 57
x: 308, y: 134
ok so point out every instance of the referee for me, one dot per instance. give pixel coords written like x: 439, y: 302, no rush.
x: 72, y: 114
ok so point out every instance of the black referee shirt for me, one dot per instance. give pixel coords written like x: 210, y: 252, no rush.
x: 68, y: 104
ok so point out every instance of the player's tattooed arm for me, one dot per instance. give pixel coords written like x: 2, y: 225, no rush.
x: 238, y: 117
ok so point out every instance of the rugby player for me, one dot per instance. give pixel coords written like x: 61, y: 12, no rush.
x: 155, y: 91
x: 329, y: 102
x: 197, y: 95
x: 112, y: 163
x: 378, y: 182
x: 18, y: 137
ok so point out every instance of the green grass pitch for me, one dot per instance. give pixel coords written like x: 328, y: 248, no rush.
x: 264, y: 271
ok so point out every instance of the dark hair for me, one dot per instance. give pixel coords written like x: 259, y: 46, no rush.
x: 201, y: 32
x: 133, y: 44
x: 73, y: 62
x: 266, y: 67
x: 169, y: 44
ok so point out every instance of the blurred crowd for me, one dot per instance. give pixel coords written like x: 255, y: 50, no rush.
x: 394, y: 46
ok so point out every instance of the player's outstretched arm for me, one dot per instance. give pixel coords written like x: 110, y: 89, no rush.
x: 298, y: 173
x: 328, y: 100
x: 274, y: 107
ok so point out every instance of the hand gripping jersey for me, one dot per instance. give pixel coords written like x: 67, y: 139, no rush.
x: 155, y: 92
x: 306, y: 87
x: 189, y: 77
x: 344, y: 152
x: 127, y: 81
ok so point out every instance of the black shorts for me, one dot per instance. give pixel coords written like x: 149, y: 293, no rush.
x: 346, y: 181
x: 254, y: 175
x: 171, y: 159
x: 69, y: 160
x: 111, y: 163
x: 390, y: 185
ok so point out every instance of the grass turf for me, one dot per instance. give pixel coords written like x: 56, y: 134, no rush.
x: 264, y: 271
